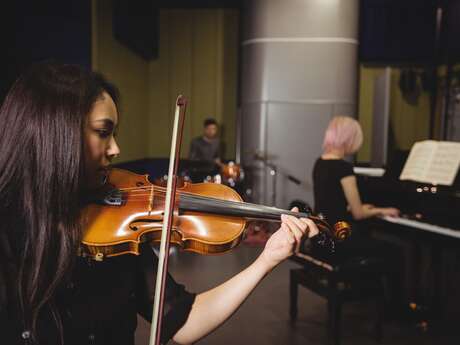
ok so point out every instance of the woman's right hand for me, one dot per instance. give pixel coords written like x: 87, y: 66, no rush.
x: 390, y: 211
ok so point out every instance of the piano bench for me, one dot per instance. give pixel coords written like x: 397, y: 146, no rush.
x: 357, y: 279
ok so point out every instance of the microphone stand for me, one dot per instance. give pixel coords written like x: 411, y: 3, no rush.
x: 274, y: 173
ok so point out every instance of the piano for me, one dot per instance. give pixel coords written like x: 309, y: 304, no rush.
x: 428, y: 208
x: 429, y: 222
x: 433, y: 209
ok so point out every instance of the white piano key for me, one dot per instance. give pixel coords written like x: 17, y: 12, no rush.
x: 423, y: 226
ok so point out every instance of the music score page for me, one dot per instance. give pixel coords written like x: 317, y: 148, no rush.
x: 434, y: 162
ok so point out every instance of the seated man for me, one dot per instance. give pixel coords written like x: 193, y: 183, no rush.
x: 205, y: 152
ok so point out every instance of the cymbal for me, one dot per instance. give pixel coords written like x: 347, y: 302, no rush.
x: 261, y: 155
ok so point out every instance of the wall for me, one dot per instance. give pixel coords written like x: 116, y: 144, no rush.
x: 198, y: 54
x: 409, y: 120
x: 130, y: 73
x: 198, y: 58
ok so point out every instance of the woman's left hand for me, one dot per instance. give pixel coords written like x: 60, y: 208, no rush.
x: 286, y: 240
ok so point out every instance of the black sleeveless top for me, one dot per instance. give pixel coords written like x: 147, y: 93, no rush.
x: 101, y: 303
x: 328, y: 192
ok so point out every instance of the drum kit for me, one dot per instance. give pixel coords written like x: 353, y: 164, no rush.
x: 230, y: 174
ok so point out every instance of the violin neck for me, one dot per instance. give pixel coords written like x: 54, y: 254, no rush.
x: 233, y: 208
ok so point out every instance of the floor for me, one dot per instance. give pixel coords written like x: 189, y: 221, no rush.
x: 264, y: 318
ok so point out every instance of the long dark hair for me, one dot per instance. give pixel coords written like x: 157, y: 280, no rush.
x: 42, y: 179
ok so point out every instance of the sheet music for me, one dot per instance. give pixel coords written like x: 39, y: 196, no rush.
x: 432, y: 162
x: 445, y: 163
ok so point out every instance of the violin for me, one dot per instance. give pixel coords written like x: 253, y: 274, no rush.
x: 208, y: 218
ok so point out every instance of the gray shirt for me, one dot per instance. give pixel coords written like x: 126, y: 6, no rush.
x: 204, y: 150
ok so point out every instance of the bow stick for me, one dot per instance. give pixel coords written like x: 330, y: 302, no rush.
x: 158, y: 303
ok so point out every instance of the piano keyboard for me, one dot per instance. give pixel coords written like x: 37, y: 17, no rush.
x: 423, y: 226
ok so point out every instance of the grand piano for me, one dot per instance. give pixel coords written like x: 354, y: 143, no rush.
x: 428, y: 232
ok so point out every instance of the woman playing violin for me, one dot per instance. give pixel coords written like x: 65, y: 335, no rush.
x: 57, y: 139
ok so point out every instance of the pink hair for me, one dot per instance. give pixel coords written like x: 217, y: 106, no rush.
x: 343, y: 133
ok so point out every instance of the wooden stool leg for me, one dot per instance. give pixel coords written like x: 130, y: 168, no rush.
x: 334, y: 313
x: 293, y: 291
x: 380, y: 303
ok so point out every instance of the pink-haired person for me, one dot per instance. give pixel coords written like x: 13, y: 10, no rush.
x: 335, y: 188
x: 337, y: 198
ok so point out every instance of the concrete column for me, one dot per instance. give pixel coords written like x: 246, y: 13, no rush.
x: 299, y: 68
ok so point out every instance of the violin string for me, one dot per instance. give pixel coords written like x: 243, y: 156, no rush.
x: 136, y: 188
x: 140, y: 191
x: 194, y: 197
x: 186, y: 195
x: 226, y: 204
x: 138, y: 194
x: 145, y: 188
x: 190, y: 197
x: 140, y: 188
x: 209, y: 201
x: 261, y: 210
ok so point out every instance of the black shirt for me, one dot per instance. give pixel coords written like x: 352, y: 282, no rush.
x: 100, y: 303
x: 328, y: 192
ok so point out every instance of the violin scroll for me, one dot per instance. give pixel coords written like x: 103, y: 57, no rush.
x: 329, y: 235
x: 342, y: 230
x: 339, y: 232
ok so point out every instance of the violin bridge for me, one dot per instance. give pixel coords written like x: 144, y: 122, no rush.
x: 151, y: 200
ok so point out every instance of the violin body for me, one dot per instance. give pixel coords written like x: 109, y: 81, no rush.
x: 208, y: 218
x: 117, y: 229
